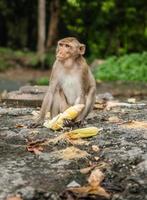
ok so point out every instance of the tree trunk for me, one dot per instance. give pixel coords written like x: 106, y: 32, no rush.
x: 41, y: 28
x: 53, y: 25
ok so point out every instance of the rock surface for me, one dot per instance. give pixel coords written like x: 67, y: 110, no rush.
x: 123, y: 152
x: 33, y: 95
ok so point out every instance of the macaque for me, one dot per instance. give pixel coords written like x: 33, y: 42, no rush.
x: 71, y: 81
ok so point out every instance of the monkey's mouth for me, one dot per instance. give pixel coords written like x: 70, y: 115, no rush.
x: 60, y: 57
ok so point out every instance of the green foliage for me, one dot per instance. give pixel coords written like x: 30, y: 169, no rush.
x: 49, y: 58
x: 129, y: 67
x: 42, y: 81
x: 10, y: 58
x: 107, y: 27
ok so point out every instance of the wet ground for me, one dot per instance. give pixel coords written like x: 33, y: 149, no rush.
x: 14, y: 78
x: 122, y: 155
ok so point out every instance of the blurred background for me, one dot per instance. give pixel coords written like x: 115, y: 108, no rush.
x: 114, y: 31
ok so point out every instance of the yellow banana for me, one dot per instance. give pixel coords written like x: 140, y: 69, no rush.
x: 83, y: 132
x: 71, y: 113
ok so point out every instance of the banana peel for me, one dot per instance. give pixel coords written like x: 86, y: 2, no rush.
x: 83, y: 133
x: 70, y: 114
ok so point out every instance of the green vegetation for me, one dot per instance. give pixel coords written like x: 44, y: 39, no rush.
x: 107, y: 27
x: 42, y: 81
x: 12, y: 58
x: 129, y: 67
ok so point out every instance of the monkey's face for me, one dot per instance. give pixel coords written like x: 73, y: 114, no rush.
x: 64, y: 51
x: 69, y: 48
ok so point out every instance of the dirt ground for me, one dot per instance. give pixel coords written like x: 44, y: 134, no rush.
x: 25, y: 74
x: 41, y: 164
x: 119, y: 150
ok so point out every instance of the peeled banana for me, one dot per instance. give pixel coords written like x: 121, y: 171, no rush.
x: 71, y: 113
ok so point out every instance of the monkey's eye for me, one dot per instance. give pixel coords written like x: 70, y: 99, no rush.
x: 60, y: 44
x: 67, y: 45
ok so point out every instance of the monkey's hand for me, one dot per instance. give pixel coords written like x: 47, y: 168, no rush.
x: 71, y: 123
x: 33, y: 125
x: 68, y: 123
x: 37, y: 122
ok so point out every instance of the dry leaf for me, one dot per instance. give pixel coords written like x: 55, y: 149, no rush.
x: 14, y: 198
x: 95, y: 178
x: 114, y: 119
x: 86, y: 170
x: 95, y: 148
x: 135, y: 124
x: 71, y: 153
x: 83, y: 132
x: 36, y: 146
x: 36, y: 150
x: 94, y: 187
x: 70, y: 114
x: 99, y: 106
x: 88, y: 190
x: 77, y: 142
x: 19, y: 126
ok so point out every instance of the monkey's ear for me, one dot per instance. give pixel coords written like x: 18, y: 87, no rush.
x: 82, y: 49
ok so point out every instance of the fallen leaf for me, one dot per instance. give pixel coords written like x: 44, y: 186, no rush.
x: 96, y: 177
x: 36, y: 146
x: 71, y: 153
x: 77, y: 142
x: 93, y: 187
x: 114, y: 119
x: 88, y: 190
x: 14, y: 198
x: 99, y: 106
x: 86, y: 170
x: 36, y: 150
x: 135, y: 124
x: 19, y: 126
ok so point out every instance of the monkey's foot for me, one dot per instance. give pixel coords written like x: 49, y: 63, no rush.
x: 33, y: 125
x: 68, y: 123
x: 71, y: 123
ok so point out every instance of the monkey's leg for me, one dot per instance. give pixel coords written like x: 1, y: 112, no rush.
x: 55, y: 104
x: 63, y: 106
x: 63, y: 101
x: 59, y: 104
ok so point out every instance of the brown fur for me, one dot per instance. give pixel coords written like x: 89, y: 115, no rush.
x: 71, y: 80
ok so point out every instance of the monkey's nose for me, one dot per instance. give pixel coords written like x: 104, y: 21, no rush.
x: 60, y: 54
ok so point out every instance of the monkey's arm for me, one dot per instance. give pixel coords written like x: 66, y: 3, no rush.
x: 46, y: 105
x: 90, y: 99
x: 48, y: 99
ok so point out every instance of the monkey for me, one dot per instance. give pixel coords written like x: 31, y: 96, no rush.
x: 71, y: 81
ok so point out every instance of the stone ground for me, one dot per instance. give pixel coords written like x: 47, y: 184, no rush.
x: 122, y: 155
